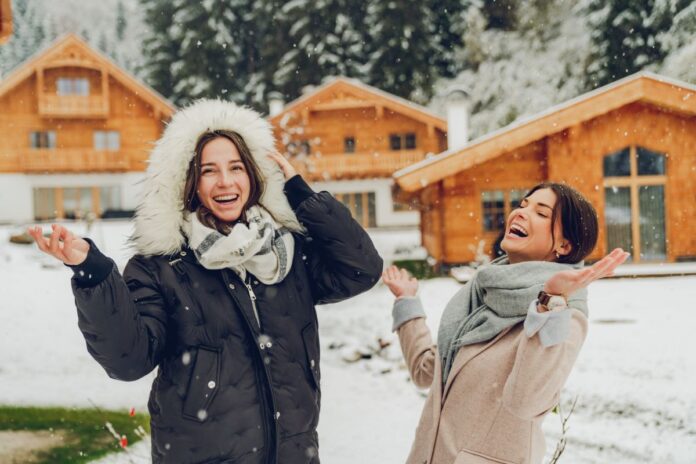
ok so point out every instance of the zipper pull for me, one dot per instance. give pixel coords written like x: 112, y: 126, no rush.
x: 252, y: 295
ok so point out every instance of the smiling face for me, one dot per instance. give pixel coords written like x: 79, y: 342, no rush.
x: 224, y: 184
x: 528, y: 235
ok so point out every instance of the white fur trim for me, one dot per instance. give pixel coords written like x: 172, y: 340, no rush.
x: 159, y: 218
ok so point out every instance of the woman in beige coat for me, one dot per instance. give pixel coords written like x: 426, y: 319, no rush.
x: 508, y: 339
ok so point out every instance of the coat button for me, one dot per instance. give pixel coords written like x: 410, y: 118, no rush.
x: 256, y: 282
x: 183, y: 253
x: 211, y: 384
x: 269, y: 345
x: 312, y: 363
x: 231, y: 286
x: 262, y: 346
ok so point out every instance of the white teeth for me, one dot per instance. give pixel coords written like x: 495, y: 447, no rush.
x: 519, y: 229
x: 226, y: 197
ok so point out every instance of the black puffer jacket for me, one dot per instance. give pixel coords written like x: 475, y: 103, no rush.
x: 227, y: 392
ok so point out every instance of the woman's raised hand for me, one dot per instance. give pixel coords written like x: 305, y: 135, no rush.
x: 568, y: 282
x: 400, y: 282
x: 62, y: 244
x: 285, y: 166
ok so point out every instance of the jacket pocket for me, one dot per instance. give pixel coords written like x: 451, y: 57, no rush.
x: 310, y: 337
x: 472, y: 457
x: 203, y: 384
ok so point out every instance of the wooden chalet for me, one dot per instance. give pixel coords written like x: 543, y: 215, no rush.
x: 629, y: 147
x: 348, y: 138
x: 75, y: 131
x: 5, y: 20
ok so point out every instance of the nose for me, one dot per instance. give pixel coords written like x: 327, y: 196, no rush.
x: 225, y: 178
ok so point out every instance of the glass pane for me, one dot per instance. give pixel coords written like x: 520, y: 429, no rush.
x: 77, y: 202
x: 650, y: 163
x: 63, y: 86
x: 349, y: 145
x: 99, y: 140
x: 371, y: 210
x: 617, y: 215
x: 410, y: 141
x: 113, y: 142
x: 516, y: 196
x: 394, y: 142
x: 493, y: 207
x: 618, y: 163
x: 652, y: 222
x: 358, y: 202
x: 51, y: 136
x: 44, y: 204
x: 81, y: 87
x: 109, y: 199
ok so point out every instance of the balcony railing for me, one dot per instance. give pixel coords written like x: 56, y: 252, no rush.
x: 46, y: 160
x: 75, y: 106
x: 355, y: 165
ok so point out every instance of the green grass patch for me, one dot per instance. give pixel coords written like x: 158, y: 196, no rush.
x: 85, y: 431
x: 419, y: 268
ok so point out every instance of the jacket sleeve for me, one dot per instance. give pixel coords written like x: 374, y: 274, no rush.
x: 543, y: 363
x: 340, y: 257
x: 122, y: 318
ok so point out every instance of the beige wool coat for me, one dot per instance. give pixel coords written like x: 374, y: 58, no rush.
x: 496, y: 396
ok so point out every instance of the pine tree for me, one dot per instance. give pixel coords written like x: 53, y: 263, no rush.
x: 627, y: 38
x: 28, y: 36
x: 159, y: 49
x: 501, y: 14
x: 402, y: 58
x: 323, y: 40
x: 448, y: 17
x: 121, y: 21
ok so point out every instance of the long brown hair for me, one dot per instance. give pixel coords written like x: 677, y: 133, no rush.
x: 256, y: 183
x: 578, y: 217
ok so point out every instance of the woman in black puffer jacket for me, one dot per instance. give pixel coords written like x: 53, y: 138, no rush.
x: 233, y: 254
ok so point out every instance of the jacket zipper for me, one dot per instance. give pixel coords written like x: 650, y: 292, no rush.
x: 272, y: 448
x: 252, y: 297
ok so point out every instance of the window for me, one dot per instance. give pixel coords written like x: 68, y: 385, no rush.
x: 362, y: 207
x: 109, y: 199
x: 45, y: 204
x: 42, y: 139
x: 107, y: 140
x: 496, y: 206
x: 493, y: 207
x: 72, y: 86
x: 349, y: 145
x: 405, y: 141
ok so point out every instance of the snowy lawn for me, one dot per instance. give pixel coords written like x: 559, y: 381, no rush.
x: 635, y: 377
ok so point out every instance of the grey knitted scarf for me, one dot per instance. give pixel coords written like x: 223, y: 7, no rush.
x: 497, y: 297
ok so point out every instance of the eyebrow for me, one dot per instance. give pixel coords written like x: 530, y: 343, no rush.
x: 231, y: 162
x: 538, y: 204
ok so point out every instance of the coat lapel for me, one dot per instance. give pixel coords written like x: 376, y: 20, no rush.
x: 464, y: 355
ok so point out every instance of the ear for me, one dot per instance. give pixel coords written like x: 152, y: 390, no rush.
x: 564, y: 248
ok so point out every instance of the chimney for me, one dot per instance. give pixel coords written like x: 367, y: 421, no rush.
x: 275, y: 103
x: 457, y: 104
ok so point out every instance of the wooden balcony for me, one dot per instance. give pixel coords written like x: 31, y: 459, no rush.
x: 49, y: 161
x: 355, y: 165
x: 73, y: 106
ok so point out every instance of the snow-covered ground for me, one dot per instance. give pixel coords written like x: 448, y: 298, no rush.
x: 635, y: 377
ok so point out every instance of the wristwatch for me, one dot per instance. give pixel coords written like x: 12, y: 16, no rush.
x: 551, y: 302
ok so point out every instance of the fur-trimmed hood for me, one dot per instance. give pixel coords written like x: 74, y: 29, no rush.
x: 160, y: 220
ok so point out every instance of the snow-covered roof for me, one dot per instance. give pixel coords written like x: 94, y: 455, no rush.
x: 26, y: 69
x: 644, y: 86
x: 394, y: 102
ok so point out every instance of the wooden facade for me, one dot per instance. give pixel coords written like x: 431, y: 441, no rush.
x: 348, y: 130
x: 71, y: 110
x: 629, y: 147
x: 349, y: 138
x: 5, y: 20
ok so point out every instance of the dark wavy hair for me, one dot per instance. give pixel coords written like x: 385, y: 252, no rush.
x: 578, y: 218
x: 256, y: 182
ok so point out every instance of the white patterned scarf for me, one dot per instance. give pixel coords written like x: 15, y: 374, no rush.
x: 262, y: 247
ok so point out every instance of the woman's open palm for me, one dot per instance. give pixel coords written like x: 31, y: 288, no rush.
x: 568, y: 282
x: 62, y: 244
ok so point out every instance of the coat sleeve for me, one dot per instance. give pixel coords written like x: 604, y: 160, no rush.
x: 542, y: 365
x: 122, y: 318
x: 419, y: 351
x: 340, y: 257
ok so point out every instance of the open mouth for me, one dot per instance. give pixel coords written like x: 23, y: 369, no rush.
x: 226, y: 199
x: 518, y: 231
